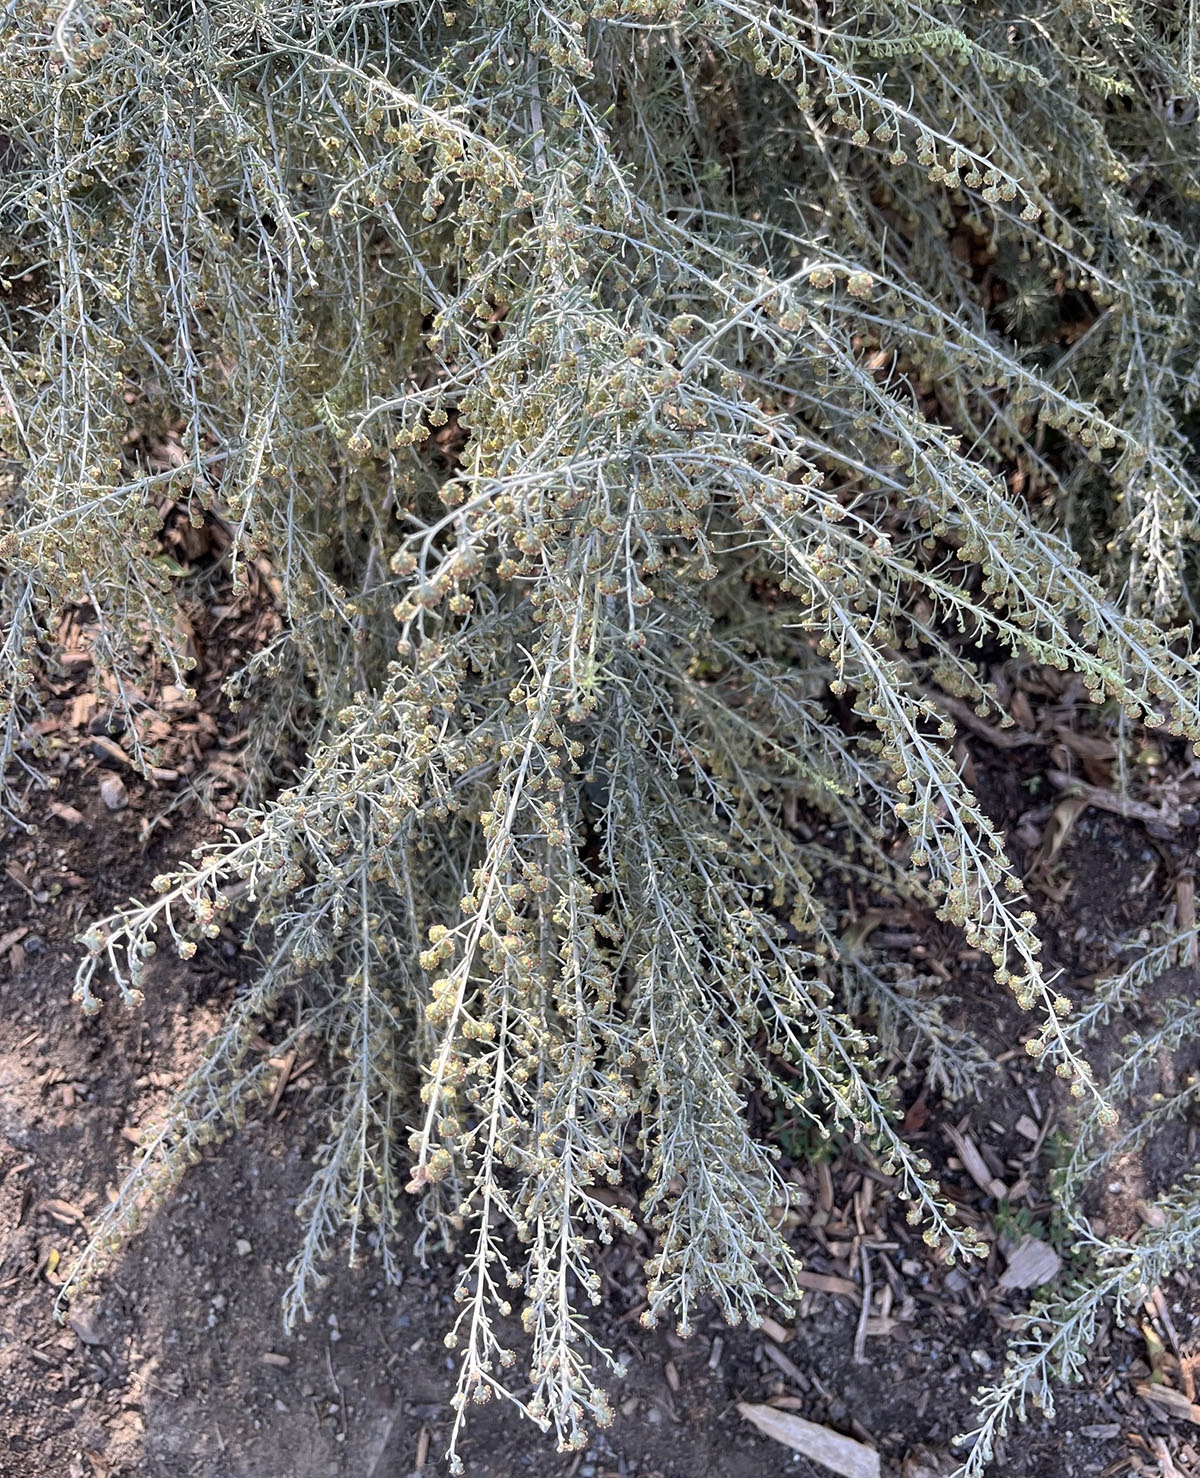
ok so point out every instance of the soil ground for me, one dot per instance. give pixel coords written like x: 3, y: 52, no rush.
x: 176, y: 1363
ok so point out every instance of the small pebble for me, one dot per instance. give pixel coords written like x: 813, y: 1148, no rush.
x: 242, y: 1247
x: 113, y: 793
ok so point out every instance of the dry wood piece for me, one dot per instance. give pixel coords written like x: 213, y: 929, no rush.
x: 775, y: 1330
x: 1027, y: 1127
x: 1189, y: 1368
x: 1109, y: 800
x: 921, y: 1463
x: 284, y: 1066
x: 819, y: 1444
x: 1058, y: 829
x: 14, y: 936
x: 61, y: 1211
x: 864, y: 1313
x: 1086, y: 746
x: 793, y: 1372
x: 974, y: 1163
x: 824, y: 1188
x: 1185, y: 914
x: 1170, y: 1402
x: 825, y: 1282
x: 1156, y: 1307
x: 1166, y: 1464
x: 1031, y: 1264
x: 108, y: 751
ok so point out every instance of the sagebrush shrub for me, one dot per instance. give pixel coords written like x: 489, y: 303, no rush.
x: 649, y: 409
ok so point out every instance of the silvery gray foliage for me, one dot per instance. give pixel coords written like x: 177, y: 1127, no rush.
x: 644, y: 405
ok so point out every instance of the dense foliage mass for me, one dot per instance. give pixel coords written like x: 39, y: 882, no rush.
x: 648, y: 408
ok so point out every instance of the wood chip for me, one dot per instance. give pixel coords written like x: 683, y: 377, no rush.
x: 1166, y: 1464
x: 108, y: 751
x: 1058, y: 829
x: 1086, y: 746
x: 69, y: 814
x: 793, y: 1372
x: 1027, y: 1127
x: 1185, y: 914
x: 281, y: 1362
x: 80, y: 709
x: 922, y: 1463
x: 1030, y: 1265
x: 61, y: 1211
x: 775, y: 1330
x: 1172, y: 1403
x: 285, y: 1064
x: 974, y: 1163
x: 672, y: 1375
x: 826, y: 1283
x: 819, y: 1444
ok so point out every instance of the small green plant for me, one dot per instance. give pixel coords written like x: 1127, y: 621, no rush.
x: 619, y: 395
x: 1011, y: 1223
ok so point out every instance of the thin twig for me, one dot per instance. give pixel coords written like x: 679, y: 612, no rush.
x: 864, y: 1313
x: 1109, y: 800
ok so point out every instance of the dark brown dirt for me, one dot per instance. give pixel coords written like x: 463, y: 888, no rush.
x: 177, y: 1364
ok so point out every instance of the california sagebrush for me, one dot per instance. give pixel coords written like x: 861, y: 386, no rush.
x: 641, y: 450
